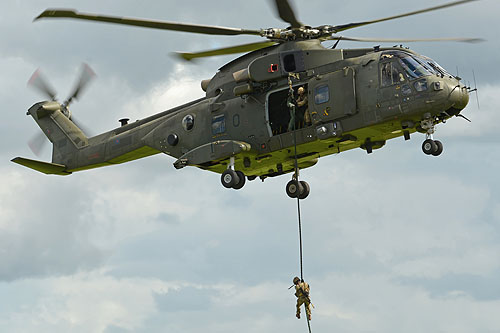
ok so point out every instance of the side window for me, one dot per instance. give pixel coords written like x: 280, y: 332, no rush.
x: 188, y: 122
x: 321, y: 94
x: 390, y: 74
x: 218, y: 124
x: 289, y: 62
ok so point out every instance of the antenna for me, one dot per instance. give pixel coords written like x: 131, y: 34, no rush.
x: 470, y: 90
x: 475, y: 89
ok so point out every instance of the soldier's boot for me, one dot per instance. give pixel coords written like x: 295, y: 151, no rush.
x: 309, y: 317
x: 298, y: 315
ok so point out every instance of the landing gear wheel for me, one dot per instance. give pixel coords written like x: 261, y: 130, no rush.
x: 294, y: 188
x: 429, y: 147
x: 306, y: 189
x: 439, y: 148
x: 229, y: 178
x: 241, y: 183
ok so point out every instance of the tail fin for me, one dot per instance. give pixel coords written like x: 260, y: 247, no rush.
x: 64, y: 135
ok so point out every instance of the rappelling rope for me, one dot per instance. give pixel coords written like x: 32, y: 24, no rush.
x: 291, y: 99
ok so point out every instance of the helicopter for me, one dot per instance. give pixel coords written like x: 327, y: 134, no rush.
x: 274, y: 110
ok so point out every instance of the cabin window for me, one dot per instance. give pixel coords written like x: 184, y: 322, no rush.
x: 321, y: 94
x: 420, y: 85
x: 289, y: 63
x: 188, y: 122
x: 405, y: 90
x: 218, y: 124
x: 236, y: 120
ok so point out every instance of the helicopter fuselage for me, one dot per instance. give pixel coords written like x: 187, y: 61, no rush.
x: 356, y: 98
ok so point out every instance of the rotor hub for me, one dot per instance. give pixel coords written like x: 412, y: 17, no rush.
x: 302, y: 33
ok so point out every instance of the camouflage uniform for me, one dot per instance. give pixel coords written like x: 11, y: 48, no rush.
x: 303, y: 107
x: 302, y: 293
x: 291, y: 107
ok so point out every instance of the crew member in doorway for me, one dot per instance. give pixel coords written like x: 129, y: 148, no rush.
x: 292, y: 108
x: 302, y: 106
x: 302, y: 293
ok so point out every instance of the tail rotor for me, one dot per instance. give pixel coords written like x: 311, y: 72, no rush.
x: 39, y: 83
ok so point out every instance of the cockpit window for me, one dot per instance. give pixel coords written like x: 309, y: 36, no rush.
x: 390, y: 74
x: 413, y: 68
x: 436, y: 68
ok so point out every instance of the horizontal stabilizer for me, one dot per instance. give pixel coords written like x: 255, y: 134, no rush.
x: 44, y: 167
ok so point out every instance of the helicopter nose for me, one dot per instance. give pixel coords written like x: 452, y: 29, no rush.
x: 459, y: 96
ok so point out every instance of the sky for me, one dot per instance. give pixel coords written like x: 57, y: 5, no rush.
x: 393, y: 241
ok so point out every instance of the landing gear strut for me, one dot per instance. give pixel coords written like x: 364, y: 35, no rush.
x: 231, y: 178
x: 430, y: 146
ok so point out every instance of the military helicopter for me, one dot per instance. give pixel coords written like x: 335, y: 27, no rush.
x: 250, y: 123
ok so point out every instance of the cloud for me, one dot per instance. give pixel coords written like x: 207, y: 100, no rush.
x: 393, y: 240
x: 50, y: 240
x: 85, y: 302
x: 184, y: 299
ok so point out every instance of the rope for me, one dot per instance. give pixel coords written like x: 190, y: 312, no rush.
x: 300, y: 233
x: 291, y: 97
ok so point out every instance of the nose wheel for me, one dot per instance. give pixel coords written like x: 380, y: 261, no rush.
x: 430, y: 146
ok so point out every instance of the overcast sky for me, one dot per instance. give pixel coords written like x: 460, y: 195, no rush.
x: 393, y: 241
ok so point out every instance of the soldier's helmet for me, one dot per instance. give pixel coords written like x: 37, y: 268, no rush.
x: 296, y: 280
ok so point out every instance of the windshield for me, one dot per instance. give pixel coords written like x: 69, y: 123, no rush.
x: 436, y: 68
x: 413, y: 67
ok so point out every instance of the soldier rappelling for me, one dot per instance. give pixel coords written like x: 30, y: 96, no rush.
x: 302, y: 293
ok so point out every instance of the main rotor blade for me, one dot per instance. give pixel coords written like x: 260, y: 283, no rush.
x: 38, y: 82
x: 194, y: 28
x: 343, y: 27
x: 225, y: 50
x: 395, y: 40
x: 86, y: 75
x: 287, y: 14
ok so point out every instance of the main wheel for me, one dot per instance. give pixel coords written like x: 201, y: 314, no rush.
x: 306, y: 189
x: 439, y: 148
x: 429, y: 146
x: 294, y: 188
x: 229, y: 178
x: 241, y: 177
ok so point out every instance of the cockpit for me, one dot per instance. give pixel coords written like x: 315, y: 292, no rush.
x: 415, y: 67
x: 406, y: 76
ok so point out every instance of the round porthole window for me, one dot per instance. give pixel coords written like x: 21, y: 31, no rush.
x: 188, y: 122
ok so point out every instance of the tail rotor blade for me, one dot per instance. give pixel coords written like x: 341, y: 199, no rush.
x: 87, y: 74
x: 38, y: 82
x: 78, y: 124
x: 37, y: 143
